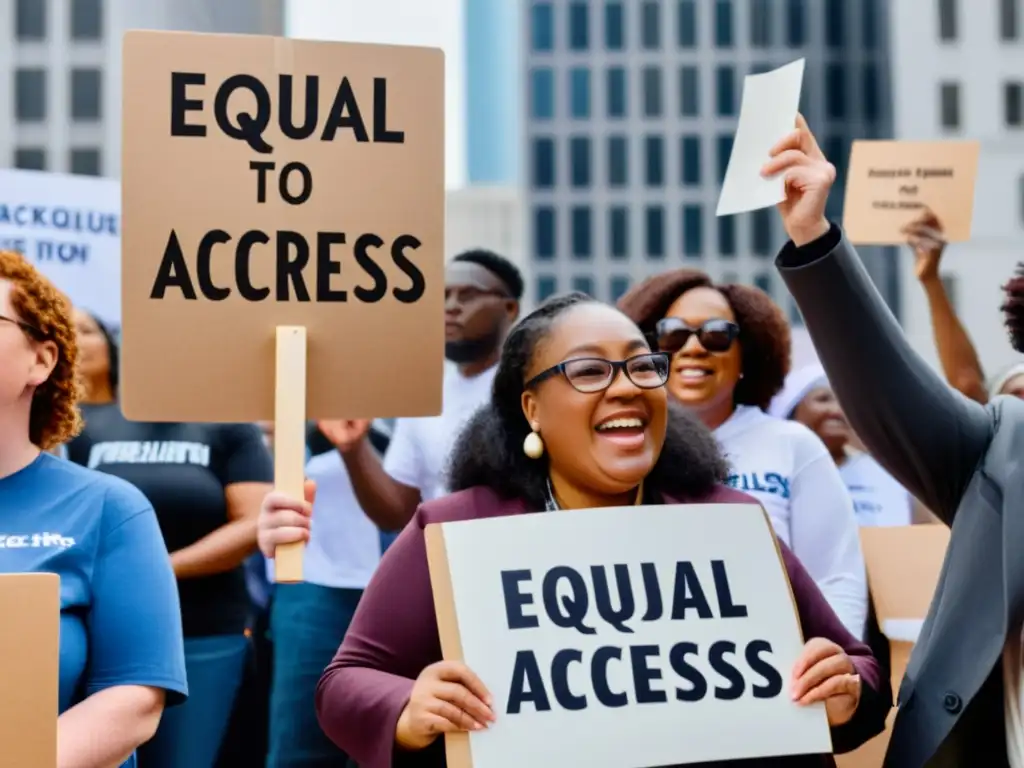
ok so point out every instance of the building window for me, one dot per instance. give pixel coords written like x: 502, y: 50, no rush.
x: 835, y: 91
x: 949, y: 105
x: 86, y: 94
x: 654, y: 231
x: 1012, y: 106
x: 579, y: 217
x: 650, y: 25
x: 618, y: 232
x: 1020, y: 185
x: 834, y: 23
x: 723, y: 24
x: 796, y: 23
x: 85, y: 162
x: 30, y: 158
x: 689, y: 91
x: 836, y: 151
x: 724, y: 152
x: 654, y: 161
x: 869, y: 24
x: 30, y: 21
x: 761, y: 232
x: 579, y: 93
x: 725, y: 91
x: 30, y: 95
x: 652, y: 91
x: 618, y: 161
x: 579, y: 26
x: 616, y: 95
x: 872, y: 97
x: 1008, y: 23
x: 686, y: 23
x: 543, y: 163
x: 760, y: 24
x: 542, y: 27
x: 947, y: 20
x: 542, y: 94
x: 579, y: 162
x: 760, y: 67
x: 547, y: 286
x: 86, y: 19
x: 689, y: 161
x: 726, y: 235
x: 614, y: 27
x: 617, y: 287
x: 763, y: 281
x: 583, y: 284
x: 544, y: 232
x: 693, y: 231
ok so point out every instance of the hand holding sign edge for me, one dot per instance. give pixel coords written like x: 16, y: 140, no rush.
x: 824, y: 672
x: 447, y: 697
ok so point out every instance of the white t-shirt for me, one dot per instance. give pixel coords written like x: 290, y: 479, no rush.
x: 787, y: 468
x: 418, y: 453
x: 344, y: 545
x: 878, y: 500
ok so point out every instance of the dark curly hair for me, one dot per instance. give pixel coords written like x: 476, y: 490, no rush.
x: 54, y: 418
x: 764, y: 332
x: 1013, y: 308
x: 490, y: 450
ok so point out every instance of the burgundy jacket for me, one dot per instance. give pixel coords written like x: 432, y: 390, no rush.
x: 394, y: 636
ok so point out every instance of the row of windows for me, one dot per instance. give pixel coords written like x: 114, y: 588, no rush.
x: 82, y: 161
x: 685, y: 27
x: 31, y: 20
x: 547, y: 285
x: 30, y: 94
x: 580, y: 90
x: 950, y: 107
x: 1007, y: 20
x: 617, y: 233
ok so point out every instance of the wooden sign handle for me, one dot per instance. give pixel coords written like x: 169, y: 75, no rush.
x: 290, y: 437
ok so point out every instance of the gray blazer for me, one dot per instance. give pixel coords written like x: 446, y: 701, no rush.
x: 965, y: 462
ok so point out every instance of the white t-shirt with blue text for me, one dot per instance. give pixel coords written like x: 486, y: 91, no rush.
x: 878, y: 499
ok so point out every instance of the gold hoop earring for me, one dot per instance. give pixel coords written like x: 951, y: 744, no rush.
x: 533, y: 446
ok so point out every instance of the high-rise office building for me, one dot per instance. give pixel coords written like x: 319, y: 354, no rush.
x: 60, y: 72
x: 631, y: 107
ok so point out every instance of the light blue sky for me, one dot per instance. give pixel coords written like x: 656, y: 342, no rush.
x: 400, y: 22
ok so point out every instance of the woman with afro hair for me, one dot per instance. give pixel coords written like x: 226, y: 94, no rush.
x: 730, y: 347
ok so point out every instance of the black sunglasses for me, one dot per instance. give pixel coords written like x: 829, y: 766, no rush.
x: 595, y: 374
x: 28, y: 328
x: 672, y: 334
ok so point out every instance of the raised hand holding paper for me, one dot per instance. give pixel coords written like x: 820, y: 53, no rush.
x: 767, y: 113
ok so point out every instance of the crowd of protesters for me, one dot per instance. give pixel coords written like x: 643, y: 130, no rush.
x: 177, y: 650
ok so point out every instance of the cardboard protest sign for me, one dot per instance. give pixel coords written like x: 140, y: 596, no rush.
x: 274, y: 183
x: 892, y: 183
x: 625, y: 637
x: 29, y: 659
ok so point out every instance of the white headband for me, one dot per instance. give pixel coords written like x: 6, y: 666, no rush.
x: 797, y: 385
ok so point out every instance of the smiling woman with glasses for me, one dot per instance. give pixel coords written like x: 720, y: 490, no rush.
x: 730, y: 353
x: 578, y: 419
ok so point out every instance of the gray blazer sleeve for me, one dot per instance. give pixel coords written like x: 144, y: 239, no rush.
x: 926, y: 434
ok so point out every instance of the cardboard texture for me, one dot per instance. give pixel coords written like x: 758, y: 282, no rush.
x: 29, y: 658
x: 349, y: 246
x: 903, y: 566
x: 891, y: 183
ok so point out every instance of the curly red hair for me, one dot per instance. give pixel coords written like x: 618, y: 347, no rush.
x: 55, y: 417
x: 764, y: 332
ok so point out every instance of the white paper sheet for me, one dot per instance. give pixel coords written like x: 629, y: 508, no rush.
x: 768, y: 112
x: 906, y: 630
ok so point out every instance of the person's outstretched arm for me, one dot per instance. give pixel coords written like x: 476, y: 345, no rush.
x: 927, y: 435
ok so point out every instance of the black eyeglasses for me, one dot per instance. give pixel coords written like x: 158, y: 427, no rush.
x: 31, y: 330
x: 714, y: 335
x: 595, y: 374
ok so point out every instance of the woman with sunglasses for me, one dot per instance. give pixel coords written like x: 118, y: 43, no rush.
x: 578, y: 419
x: 730, y: 348
x: 121, y: 660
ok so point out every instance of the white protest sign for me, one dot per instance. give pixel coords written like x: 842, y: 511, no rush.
x: 624, y: 637
x: 69, y: 227
x: 767, y: 113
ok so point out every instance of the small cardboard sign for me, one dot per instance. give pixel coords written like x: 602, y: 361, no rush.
x: 267, y: 183
x: 623, y: 637
x: 29, y: 661
x: 892, y: 183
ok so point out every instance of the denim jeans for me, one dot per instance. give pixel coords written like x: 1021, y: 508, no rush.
x: 307, y: 624
x: 190, y: 735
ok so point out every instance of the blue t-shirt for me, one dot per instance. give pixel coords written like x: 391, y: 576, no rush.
x: 120, y: 623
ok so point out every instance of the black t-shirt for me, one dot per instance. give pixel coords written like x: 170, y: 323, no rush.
x: 183, y: 470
